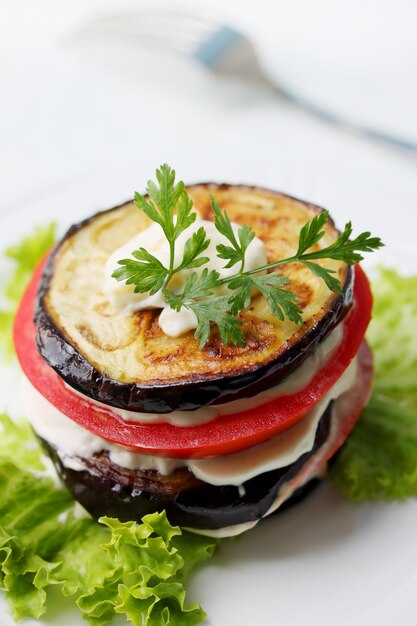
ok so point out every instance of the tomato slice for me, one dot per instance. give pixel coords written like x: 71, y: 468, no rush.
x: 223, y: 435
x: 349, y: 410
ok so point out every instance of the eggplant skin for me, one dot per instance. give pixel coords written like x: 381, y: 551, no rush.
x: 104, y: 488
x: 174, y: 374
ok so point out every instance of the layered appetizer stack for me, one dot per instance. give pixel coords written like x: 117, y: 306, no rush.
x: 199, y: 350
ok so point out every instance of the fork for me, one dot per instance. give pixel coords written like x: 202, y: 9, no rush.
x: 224, y: 51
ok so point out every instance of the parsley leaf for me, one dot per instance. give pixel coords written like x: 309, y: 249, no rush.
x: 163, y: 200
x: 146, y: 272
x: 242, y: 297
x: 236, y: 253
x: 341, y: 250
x: 194, y: 246
x: 226, y: 252
x: 196, y: 286
x: 347, y: 250
x: 185, y: 215
x: 312, y: 232
x: 170, y: 206
x: 281, y: 301
x: 322, y: 272
x: 216, y: 311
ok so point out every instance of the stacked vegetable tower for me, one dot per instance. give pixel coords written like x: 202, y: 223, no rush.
x: 214, y: 381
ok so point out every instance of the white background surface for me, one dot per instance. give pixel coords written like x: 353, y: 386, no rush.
x: 83, y: 124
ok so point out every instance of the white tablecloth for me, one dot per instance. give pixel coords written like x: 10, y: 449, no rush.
x: 83, y: 124
x: 100, y: 115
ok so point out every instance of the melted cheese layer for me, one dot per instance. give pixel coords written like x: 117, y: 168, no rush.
x: 279, y: 451
x: 297, y: 380
x: 75, y: 442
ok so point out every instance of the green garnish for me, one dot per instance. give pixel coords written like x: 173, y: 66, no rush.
x: 25, y: 256
x: 109, y: 568
x: 170, y: 206
x: 138, y: 570
x: 379, y: 458
x: 236, y: 253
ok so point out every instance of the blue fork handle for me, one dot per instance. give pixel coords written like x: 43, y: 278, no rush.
x: 211, y: 52
x: 388, y: 139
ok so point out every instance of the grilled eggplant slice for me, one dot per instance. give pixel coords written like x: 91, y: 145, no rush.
x: 128, y: 362
x: 104, y: 488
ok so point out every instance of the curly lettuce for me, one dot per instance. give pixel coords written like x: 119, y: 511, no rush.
x: 25, y: 255
x: 138, y: 569
x: 133, y: 569
x: 379, y: 459
x: 108, y: 568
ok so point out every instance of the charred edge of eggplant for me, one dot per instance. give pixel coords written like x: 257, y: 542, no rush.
x: 163, y: 397
x: 104, y: 488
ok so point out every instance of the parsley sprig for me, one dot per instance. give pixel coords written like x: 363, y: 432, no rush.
x: 236, y: 252
x: 169, y: 205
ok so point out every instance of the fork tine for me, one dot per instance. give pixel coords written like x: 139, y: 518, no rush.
x: 180, y: 22
x: 154, y: 41
x: 141, y: 34
x: 180, y: 35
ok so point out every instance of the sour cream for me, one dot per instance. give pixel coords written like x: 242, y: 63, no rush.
x: 123, y: 298
x: 275, y: 453
x: 75, y: 442
x: 296, y: 381
x: 315, y: 467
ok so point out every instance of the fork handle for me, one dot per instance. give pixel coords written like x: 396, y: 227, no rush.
x: 215, y: 52
x: 337, y: 120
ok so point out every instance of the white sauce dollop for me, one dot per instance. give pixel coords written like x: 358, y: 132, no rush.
x: 123, y: 298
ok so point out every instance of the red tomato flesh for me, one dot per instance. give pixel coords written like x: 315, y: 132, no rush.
x: 350, y: 407
x: 223, y: 435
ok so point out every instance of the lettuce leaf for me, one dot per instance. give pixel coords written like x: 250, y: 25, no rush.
x: 379, y: 459
x: 18, y: 442
x: 25, y: 255
x: 109, y: 568
x: 138, y: 569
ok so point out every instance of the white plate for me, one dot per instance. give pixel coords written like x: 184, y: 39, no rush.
x: 327, y: 562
